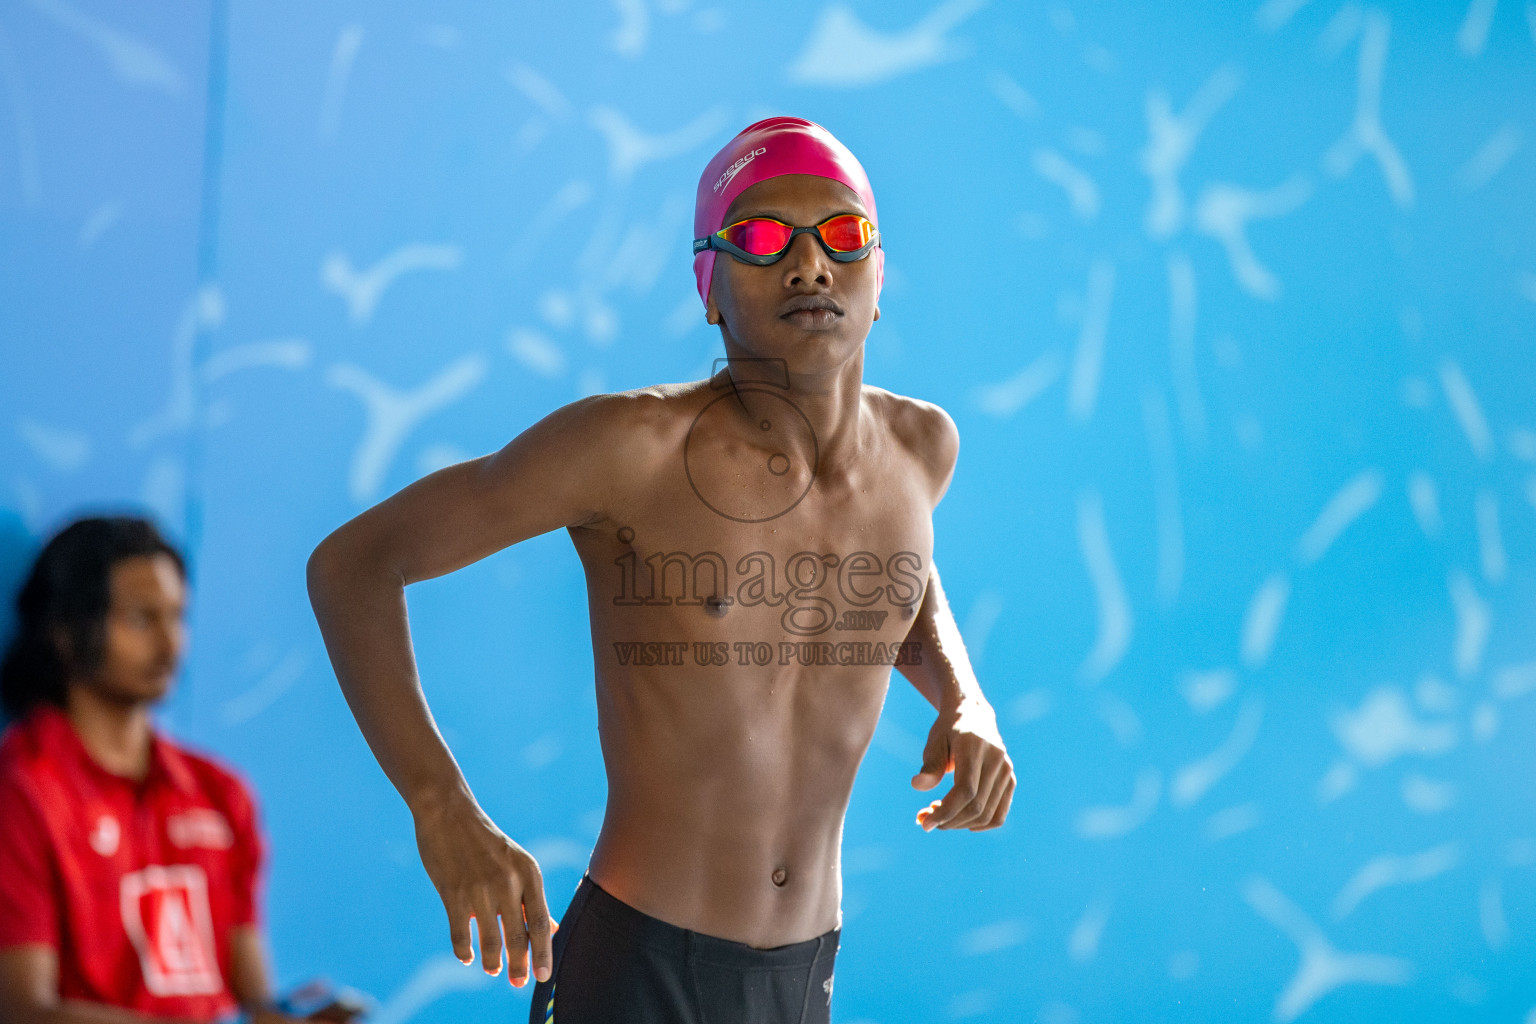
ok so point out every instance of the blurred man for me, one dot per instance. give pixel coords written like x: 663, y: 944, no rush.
x: 128, y: 865
x: 758, y: 555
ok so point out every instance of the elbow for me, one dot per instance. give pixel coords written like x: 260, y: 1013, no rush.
x: 345, y: 561
x: 326, y: 564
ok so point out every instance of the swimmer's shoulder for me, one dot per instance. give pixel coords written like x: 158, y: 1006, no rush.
x: 591, y: 455
x: 656, y: 407
x: 922, y: 429
x: 631, y: 427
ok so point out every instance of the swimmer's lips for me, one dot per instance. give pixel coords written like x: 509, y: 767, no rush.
x: 812, y: 312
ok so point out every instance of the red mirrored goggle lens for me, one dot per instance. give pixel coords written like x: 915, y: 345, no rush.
x: 758, y: 236
x: 761, y: 236
x: 846, y: 233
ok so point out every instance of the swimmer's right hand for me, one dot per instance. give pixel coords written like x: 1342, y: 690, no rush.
x: 482, y: 875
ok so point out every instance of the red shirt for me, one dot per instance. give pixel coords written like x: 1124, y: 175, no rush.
x: 136, y: 885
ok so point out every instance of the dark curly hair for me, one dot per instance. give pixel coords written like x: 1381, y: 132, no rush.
x: 70, y: 588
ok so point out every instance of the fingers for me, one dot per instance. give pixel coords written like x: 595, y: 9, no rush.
x: 936, y: 759
x: 982, y: 792
x: 927, y: 780
x: 999, y: 790
x: 484, y: 916
x: 957, y: 803
x: 541, y: 930
x: 517, y: 938
x: 1001, y: 814
x: 490, y: 937
x: 458, y: 932
x: 970, y: 812
x: 526, y: 921
x: 510, y: 916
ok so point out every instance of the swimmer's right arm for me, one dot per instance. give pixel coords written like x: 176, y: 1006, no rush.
x: 559, y: 472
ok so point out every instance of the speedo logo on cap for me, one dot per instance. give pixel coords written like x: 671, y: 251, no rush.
x: 735, y: 168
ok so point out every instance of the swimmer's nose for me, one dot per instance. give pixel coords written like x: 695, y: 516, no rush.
x: 806, y: 261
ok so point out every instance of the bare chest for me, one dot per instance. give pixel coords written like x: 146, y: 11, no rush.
x: 835, y: 581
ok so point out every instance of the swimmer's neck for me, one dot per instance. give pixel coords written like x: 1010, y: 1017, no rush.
x: 830, y: 398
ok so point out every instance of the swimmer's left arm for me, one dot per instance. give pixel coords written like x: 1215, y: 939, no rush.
x: 964, y: 738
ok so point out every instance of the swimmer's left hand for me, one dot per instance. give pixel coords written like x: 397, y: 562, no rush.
x: 964, y: 740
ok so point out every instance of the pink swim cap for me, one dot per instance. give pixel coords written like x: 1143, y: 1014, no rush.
x: 767, y: 149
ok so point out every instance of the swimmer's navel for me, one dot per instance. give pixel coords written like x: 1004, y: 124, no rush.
x: 780, y: 877
x: 716, y: 606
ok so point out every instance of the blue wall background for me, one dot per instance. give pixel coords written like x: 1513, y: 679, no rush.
x: 1233, y: 303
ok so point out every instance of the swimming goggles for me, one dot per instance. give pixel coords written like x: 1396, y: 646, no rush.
x: 846, y: 237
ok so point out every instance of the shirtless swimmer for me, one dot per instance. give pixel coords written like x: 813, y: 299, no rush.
x: 758, y: 550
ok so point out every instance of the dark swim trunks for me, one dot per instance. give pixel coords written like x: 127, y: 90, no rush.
x: 616, y: 965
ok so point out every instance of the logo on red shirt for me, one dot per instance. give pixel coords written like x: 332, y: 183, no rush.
x: 200, y: 827
x: 166, y: 914
x: 104, y: 837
